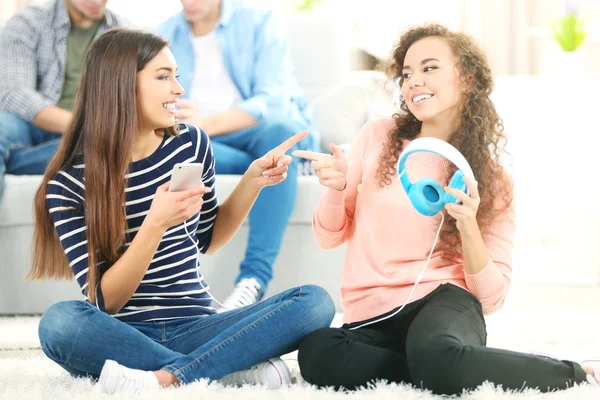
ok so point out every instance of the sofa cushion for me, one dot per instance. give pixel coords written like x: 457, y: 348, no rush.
x: 319, y: 48
x: 16, y: 206
x: 342, y: 111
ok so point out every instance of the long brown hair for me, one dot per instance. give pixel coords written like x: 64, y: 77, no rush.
x: 105, y: 119
x: 480, y: 136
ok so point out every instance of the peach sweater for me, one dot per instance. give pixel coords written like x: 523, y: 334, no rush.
x: 389, y: 241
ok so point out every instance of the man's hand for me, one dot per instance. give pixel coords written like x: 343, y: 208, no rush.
x: 53, y: 119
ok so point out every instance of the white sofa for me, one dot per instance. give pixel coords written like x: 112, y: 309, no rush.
x: 343, y: 101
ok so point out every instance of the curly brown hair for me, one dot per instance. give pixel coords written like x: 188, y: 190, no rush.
x: 480, y: 136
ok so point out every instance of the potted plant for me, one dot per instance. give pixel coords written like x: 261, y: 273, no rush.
x: 569, y: 34
x: 568, y: 31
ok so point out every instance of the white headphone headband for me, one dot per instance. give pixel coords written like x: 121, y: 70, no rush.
x: 441, y: 148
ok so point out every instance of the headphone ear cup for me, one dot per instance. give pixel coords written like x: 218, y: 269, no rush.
x: 456, y: 182
x: 426, y: 195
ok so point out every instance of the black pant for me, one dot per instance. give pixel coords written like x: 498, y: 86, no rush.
x: 436, y: 343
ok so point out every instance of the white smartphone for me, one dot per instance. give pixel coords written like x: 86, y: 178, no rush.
x: 186, y: 176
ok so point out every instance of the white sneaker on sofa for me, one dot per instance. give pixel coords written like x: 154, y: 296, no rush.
x: 246, y: 292
x: 273, y: 374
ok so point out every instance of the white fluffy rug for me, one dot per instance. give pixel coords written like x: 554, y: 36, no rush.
x: 30, y: 375
x: 38, y: 378
x: 19, y: 333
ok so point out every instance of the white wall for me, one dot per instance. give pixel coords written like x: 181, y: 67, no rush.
x: 379, y: 23
x: 9, y: 7
x: 145, y: 13
x: 515, y: 33
x: 552, y: 135
x: 141, y: 12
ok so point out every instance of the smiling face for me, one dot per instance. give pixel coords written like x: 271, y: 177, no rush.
x: 431, y: 84
x: 158, y: 90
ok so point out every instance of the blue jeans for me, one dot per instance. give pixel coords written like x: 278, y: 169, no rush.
x: 271, y: 213
x: 79, y: 337
x: 24, y: 148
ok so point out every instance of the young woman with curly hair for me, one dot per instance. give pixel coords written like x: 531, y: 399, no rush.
x: 438, y: 340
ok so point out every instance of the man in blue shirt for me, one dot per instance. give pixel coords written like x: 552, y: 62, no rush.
x: 235, y: 66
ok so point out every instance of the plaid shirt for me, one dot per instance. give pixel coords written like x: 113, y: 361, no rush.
x: 33, y: 53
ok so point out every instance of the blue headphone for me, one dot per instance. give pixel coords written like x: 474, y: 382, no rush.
x: 427, y: 195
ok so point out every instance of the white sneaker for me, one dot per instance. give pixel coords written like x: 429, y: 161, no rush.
x: 247, y: 291
x: 273, y: 374
x: 115, y: 377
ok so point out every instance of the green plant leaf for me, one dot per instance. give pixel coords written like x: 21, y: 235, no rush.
x: 569, y: 32
x: 308, y: 5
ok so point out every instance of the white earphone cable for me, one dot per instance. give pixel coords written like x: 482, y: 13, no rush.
x: 417, y: 281
x: 189, y: 235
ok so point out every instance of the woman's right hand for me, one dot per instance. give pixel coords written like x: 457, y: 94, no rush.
x: 172, y: 208
x: 332, y: 170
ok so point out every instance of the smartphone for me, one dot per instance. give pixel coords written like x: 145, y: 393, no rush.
x: 186, y: 176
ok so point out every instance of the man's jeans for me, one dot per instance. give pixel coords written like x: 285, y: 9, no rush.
x: 24, y: 149
x: 271, y: 213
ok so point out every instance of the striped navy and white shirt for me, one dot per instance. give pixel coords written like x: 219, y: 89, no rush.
x: 172, y: 286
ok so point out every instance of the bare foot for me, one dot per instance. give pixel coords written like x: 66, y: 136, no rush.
x: 588, y: 370
x: 165, y: 378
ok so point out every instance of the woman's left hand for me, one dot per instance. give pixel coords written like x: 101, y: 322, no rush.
x: 465, y: 213
x: 271, y: 169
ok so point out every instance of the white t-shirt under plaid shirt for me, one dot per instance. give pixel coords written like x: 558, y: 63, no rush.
x: 172, y: 286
